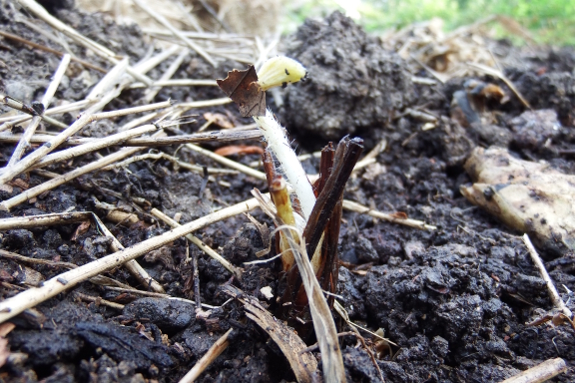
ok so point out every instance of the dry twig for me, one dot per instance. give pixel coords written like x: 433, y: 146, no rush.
x: 553, y: 294
x: 359, y: 208
x: 540, y: 373
x: 217, y: 348
x: 66, y: 218
x: 196, y: 241
x: 51, y: 184
x: 15, y: 305
x: 25, y: 141
x: 99, y: 49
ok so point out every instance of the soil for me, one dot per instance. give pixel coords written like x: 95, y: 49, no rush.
x: 455, y: 300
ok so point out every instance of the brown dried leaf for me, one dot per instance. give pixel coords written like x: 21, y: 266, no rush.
x: 219, y: 119
x: 239, y: 149
x: 241, y: 86
x: 81, y: 229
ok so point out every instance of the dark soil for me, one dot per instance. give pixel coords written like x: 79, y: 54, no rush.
x: 456, y: 300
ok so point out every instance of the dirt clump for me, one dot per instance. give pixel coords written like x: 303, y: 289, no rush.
x: 350, y: 75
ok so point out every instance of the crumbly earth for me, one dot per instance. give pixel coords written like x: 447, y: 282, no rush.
x: 455, y: 300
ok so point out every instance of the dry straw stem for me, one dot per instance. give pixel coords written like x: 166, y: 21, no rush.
x: 24, y: 164
x: 215, y: 350
x: 302, y: 362
x: 58, y: 140
x: 157, y: 295
x: 20, y: 106
x: 33, y: 125
x: 172, y: 159
x: 220, y: 136
x: 540, y: 373
x: 35, y: 261
x: 133, y: 110
x: 15, y: 120
x: 68, y: 218
x: 227, y: 162
x: 175, y: 82
x: 150, y: 63
x: 13, y: 306
x: 109, y: 81
x: 55, y: 182
x: 359, y: 208
x: 93, y: 145
x: 47, y: 49
x: 204, y: 104
x: 196, y: 241
x: 100, y: 50
x: 162, y: 20
x: 132, y: 265
x: 98, y: 300
x: 555, y: 297
x: 157, y: 115
x: 44, y: 220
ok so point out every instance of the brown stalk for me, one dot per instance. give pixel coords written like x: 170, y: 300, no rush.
x: 324, y: 222
x: 346, y: 155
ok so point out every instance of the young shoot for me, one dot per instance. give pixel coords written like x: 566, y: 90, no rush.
x: 247, y: 89
x: 279, y: 71
x: 290, y: 165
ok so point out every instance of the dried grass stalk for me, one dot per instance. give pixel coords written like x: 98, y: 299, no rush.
x: 15, y: 305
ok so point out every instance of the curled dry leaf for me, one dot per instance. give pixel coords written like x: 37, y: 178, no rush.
x: 242, y: 87
x: 528, y: 196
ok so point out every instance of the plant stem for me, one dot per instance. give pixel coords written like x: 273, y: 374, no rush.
x: 291, y: 167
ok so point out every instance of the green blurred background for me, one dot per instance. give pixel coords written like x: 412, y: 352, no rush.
x: 549, y: 21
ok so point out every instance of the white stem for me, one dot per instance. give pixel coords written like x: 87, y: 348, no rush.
x: 279, y: 145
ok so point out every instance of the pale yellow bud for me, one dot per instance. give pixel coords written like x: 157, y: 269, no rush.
x: 280, y: 71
